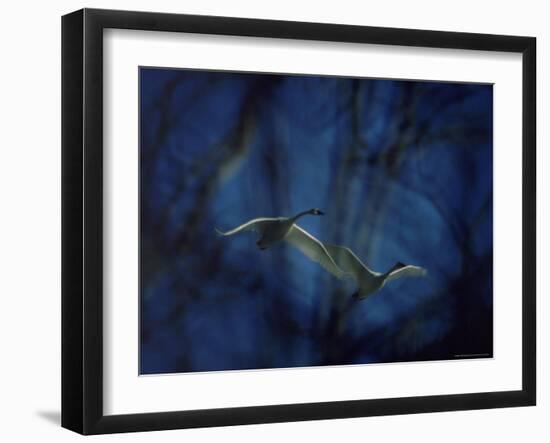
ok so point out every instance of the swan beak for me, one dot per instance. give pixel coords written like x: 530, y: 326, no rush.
x: 320, y: 213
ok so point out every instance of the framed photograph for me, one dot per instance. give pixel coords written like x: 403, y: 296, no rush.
x: 269, y: 221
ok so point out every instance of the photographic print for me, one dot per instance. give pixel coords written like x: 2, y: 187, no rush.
x: 299, y: 220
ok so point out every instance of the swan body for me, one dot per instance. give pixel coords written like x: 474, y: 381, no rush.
x: 369, y: 281
x: 270, y: 230
x: 273, y: 230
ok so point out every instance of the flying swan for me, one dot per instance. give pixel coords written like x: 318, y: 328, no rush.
x: 369, y: 281
x: 276, y: 229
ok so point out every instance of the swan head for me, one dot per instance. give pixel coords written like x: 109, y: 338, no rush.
x: 316, y: 211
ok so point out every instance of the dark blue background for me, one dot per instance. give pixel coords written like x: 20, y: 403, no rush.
x: 403, y: 171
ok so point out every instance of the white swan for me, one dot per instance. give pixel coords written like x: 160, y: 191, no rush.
x: 276, y: 229
x: 369, y: 281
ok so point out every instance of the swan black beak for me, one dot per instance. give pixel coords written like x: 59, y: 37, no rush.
x: 320, y: 213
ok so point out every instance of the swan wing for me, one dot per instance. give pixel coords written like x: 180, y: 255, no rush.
x: 349, y: 262
x: 406, y: 271
x: 257, y: 224
x: 313, y: 249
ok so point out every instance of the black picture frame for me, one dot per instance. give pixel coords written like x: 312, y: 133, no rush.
x: 82, y: 221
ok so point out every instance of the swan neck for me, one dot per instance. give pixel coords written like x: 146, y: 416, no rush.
x: 392, y: 269
x: 301, y: 214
